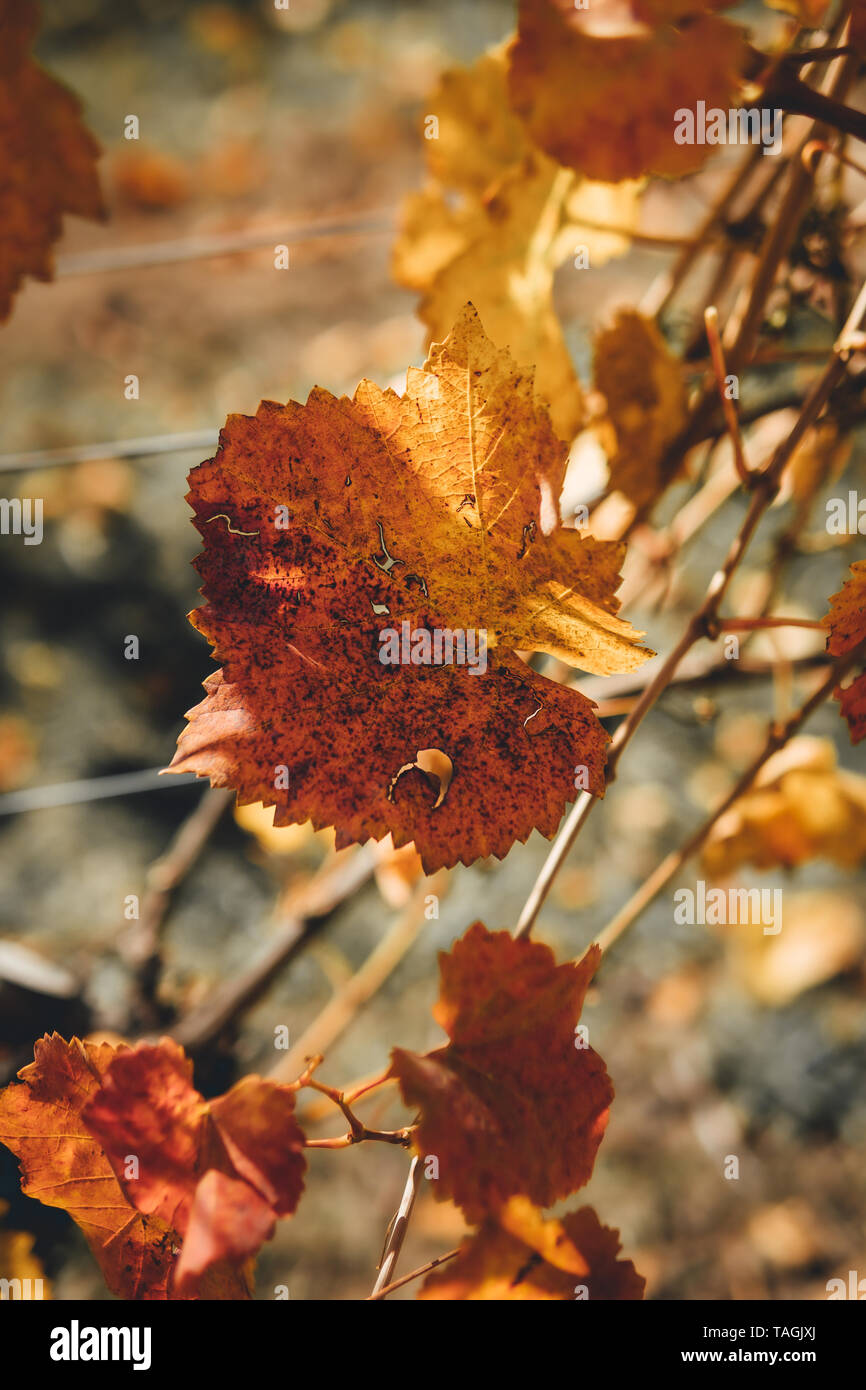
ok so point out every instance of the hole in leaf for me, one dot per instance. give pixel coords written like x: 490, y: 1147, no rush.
x: 434, y: 764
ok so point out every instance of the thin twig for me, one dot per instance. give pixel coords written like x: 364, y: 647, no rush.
x: 753, y: 624
x: 704, y: 622
x: 416, y: 1274
x: 197, y: 248
x: 397, y: 1230
x: 717, y: 354
x: 141, y: 946
x: 777, y: 736
x: 341, y: 1009
x: 339, y: 877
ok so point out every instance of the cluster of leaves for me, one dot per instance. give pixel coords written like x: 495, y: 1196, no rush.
x: 437, y: 509
x: 176, y: 1194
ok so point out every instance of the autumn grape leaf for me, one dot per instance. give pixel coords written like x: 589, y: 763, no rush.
x: 493, y: 224
x: 218, y: 1172
x: 599, y: 86
x: 809, y: 12
x: 47, y: 156
x: 801, y: 807
x: 517, y: 1255
x: 63, y: 1165
x: 643, y: 388
x: 516, y: 1103
x: 18, y: 1262
x: 846, y: 622
x: 331, y: 523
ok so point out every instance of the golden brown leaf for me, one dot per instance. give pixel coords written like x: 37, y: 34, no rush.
x: 437, y: 510
x: 520, y: 1256
x: 47, y: 156
x: 643, y: 387
x: 801, y: 807
x: 599, y: 87
x: 820, y: 936
x: 493, y: 227
x: 516, y: 1103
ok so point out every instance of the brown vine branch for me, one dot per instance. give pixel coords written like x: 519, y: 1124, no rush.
x: 338, y: 878
x: 702, y: 624
x: 338, y: 1013
x: 165, y: 875
x: 397, y: 1230
x: 717, y: 354
x: 777, y: 736
x: 416, y: 1274
x: 753, y: 624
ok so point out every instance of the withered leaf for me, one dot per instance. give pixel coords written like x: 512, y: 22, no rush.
x: 47, y: 155
x: 329, y: 524
x: 63, y: 1165
x: 801, y: 807
x: 219, y: 1172
x: 494, y: 223
x: 518, y: 1256
x: 846, y: 622
x: 643, y: 387
x: 599, y: 86
x: 515, y: 1103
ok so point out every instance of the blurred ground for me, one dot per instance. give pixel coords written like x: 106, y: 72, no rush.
x: 256, y: 120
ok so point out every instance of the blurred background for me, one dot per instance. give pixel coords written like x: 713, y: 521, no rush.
x: 303, y: 127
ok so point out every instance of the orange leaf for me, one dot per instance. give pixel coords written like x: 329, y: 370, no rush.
x: 846, y: 622
x: 47, y: 156
x: 520, y: 1256
x: 219, y: 1171
x: 515, y: 1103
x: 328, y: 526
x: 599, y: 87
x: 63, y: 1165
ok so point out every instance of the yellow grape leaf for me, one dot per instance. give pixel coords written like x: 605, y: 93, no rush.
x: 821, y: 936
x: 20, y: 1267
x: 517, y: 216
x: 801, y: 807
x: 599, y: 87
x: 518, y: 1256
x: 811, y: 13
x: 643, y: 387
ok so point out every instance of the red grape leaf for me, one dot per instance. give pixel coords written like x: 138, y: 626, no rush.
x: 520, y: 1256
x: 218, y: 1171
x: 63, y: 1165
x: 846, y: 622
x: 598, y: 87
x: 514, y: 1104
x: 327, y: 524
x: 47, y: 155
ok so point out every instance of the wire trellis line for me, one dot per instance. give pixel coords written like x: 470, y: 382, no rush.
x: 196, y: 248
x: 91, y: 789
x: 141, y: 447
